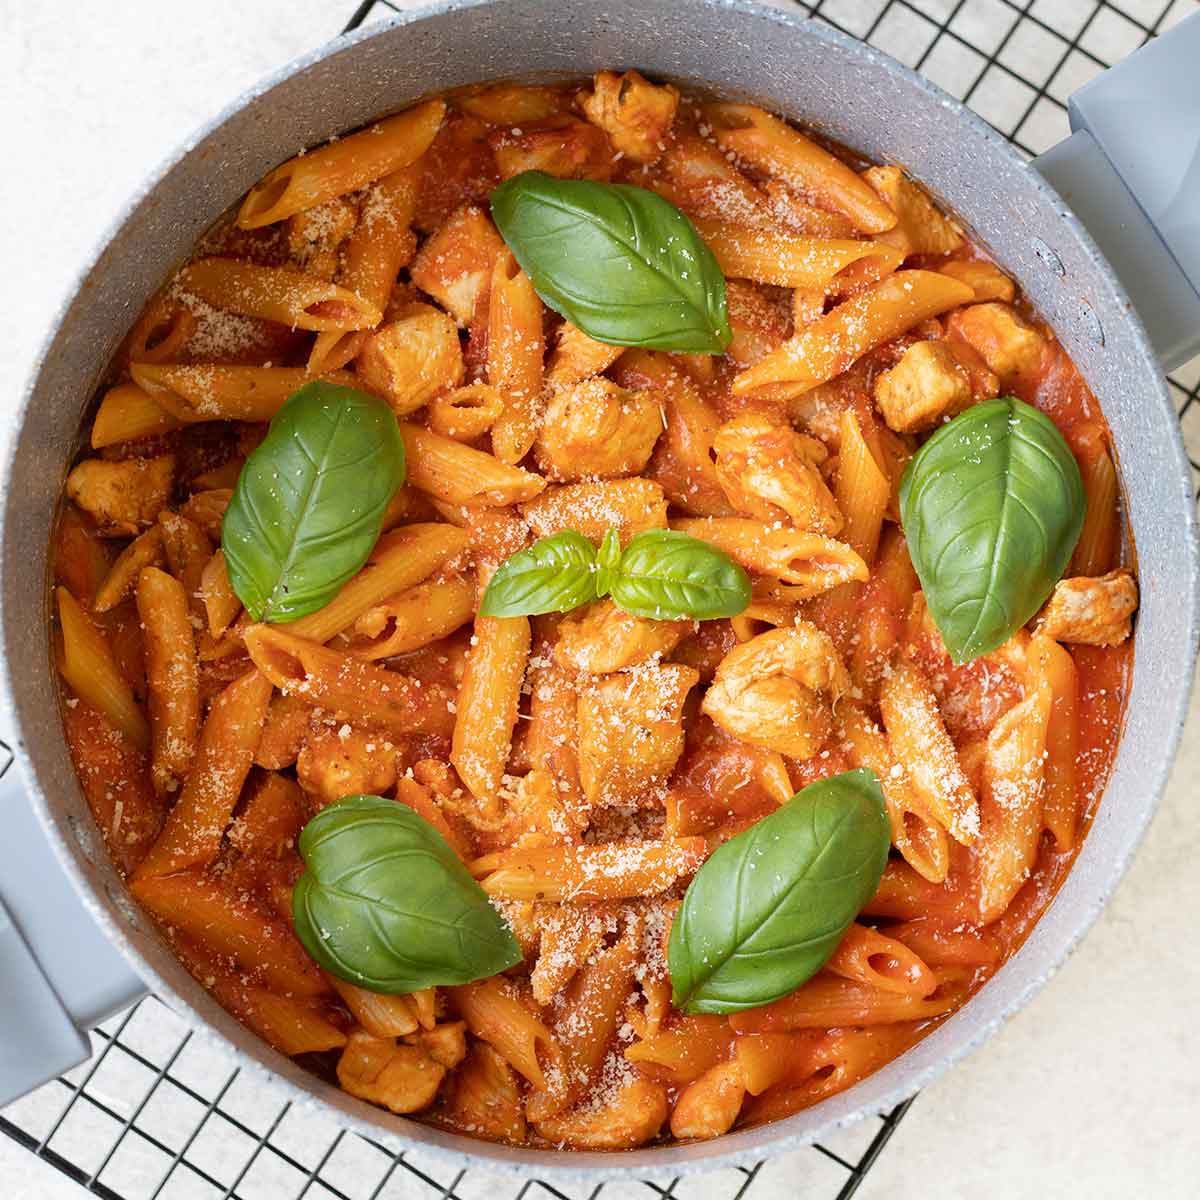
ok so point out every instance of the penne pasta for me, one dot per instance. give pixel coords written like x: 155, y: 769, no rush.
x: 514, y: 359
x: 494, y: 1014
x: 458, y: 474
x: 127, y: 413
x: 342, y: 166
x: 413, y: 618
x: 1052, y: 666
x: 868, y: 956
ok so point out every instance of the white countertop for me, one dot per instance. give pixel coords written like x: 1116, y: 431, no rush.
x: 1094, y: 1090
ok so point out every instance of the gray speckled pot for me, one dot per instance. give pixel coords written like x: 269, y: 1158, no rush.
x: 805, y: 70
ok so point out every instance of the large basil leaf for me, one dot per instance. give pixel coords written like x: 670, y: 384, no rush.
x: 620, y: 262
x: 310, y: 500
x: 385, y: 904
x: 992, y: 506
x: 670, y: 576
x: 555, y: 574
x: 769, y: 907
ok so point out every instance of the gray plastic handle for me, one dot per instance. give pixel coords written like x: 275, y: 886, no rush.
x: 76, y: 979
x: 1131, y: 172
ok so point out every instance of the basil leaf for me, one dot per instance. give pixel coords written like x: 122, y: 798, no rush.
x: 769, y: 907
x: 555, y: 574
x: 992, y: 506
x: 620, y: 262
x: 310, y: 500
x: 670, y: 576
x: 385, y: 904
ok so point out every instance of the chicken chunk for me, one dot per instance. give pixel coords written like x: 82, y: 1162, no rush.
x: 631, y: 733
x: 633, y: 1116
x: 400, y: 1077
x: 485, y: 1097
x: 412, y: 360
x: 595, y: 428
x: 446, y: 1044
x: 636, y: 114
x: 759, y: 323
x: 769, y: 471
x: 576, y: 357
x: 454, y: 265
x: 1091, y: 611
x: 776, y: 690
x: 927, y: 384
x: 561, y: 146
x: 604, y: 638
x: 627, y: 505
x: 1007, y: 343
x: 337, y: 761
x: 123, y: 497
x: 920, y: 228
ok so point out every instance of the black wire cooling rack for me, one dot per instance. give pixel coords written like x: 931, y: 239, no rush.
x: 158, y: 1114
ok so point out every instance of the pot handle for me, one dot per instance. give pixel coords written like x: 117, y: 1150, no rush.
x: 1131, y: 172
x: 59, y: 975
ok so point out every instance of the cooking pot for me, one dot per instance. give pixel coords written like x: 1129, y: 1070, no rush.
x: 76, y: 951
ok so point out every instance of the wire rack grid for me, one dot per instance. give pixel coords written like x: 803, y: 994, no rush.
x: 158, y: 1114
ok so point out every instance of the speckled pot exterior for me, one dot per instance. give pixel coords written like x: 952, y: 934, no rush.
x: 808, y: 72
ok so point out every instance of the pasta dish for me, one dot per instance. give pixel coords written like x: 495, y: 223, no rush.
x: 591, y: 616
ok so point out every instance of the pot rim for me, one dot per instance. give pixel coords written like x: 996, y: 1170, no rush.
x: 734, y: 1149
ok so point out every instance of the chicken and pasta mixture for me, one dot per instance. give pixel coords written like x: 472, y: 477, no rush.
x: 591, y: 616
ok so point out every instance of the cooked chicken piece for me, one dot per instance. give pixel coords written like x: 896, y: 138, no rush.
x: 636, y: 114
x: 604, y: 638
x: 412, y: 360
x: 633, y: 1116
x: 769, y: 471
x: 576, y: 357
x: 776, y: 690
x: 446, y: 1044
x: 593, y: 508
x: 561, y: 146
x: 337, y: 761
x: 759, y: 324
x: 400, y: 1077
x: 631, y: 732
x: 454, y: 265
x: 597, y: 428
x: 123, y: 497
x: 927, y: 384
x: 1091, y: 611
x: 484, y: 1096
x: 1008, y: 344
x: 921, y: 228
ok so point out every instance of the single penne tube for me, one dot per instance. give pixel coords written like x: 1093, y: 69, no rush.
x: 903, y: 895
x: 228, y: 739
x: 606, y: 871
x: 1051, y: 664
x: 162, y: 331
x: 144, y: 551
x: 127, y: 413
x: 828, y: 1000
x: 1098, y: 539
x: 595, y: 506
x: 458, y: 474
x: 921, y: 840
x: 342, y: 166
x: 765, y: 1059
x: 862, y: 489
x: 401, y: 559
x: 833, y: 342
x: 948, y: 943
x: 382, y: 1016
x: 421, y: 800
x: 494, y: 1014
x: 923, y: 748
x: 231, y: 928
x: 188, y: 550
x: 687, y: 1048
x: 466, y: 413
x: 221, y: 603
x: 514, y: 359
x: 868, y: 956
x: 808, y: 562
x: 488, y: 699
x: 348, y: 686
x: 172, y: 680
x: 413, y: 618
x: 883, y: 611
x: 293, y: 1026
x: 207, y: 510
x: 215, y: 392
x: 1010, y: 804
x: 787, y: 259
x: 774, y: 147
x: 88, y: 666
x: 277, y: 294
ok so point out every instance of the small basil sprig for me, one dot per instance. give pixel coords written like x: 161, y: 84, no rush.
x: 309, y: 503
x: 385, y: 903
x: 661, y: 574
x: 768, y: 908
x: 620, y: 262
x: 992, y: 506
